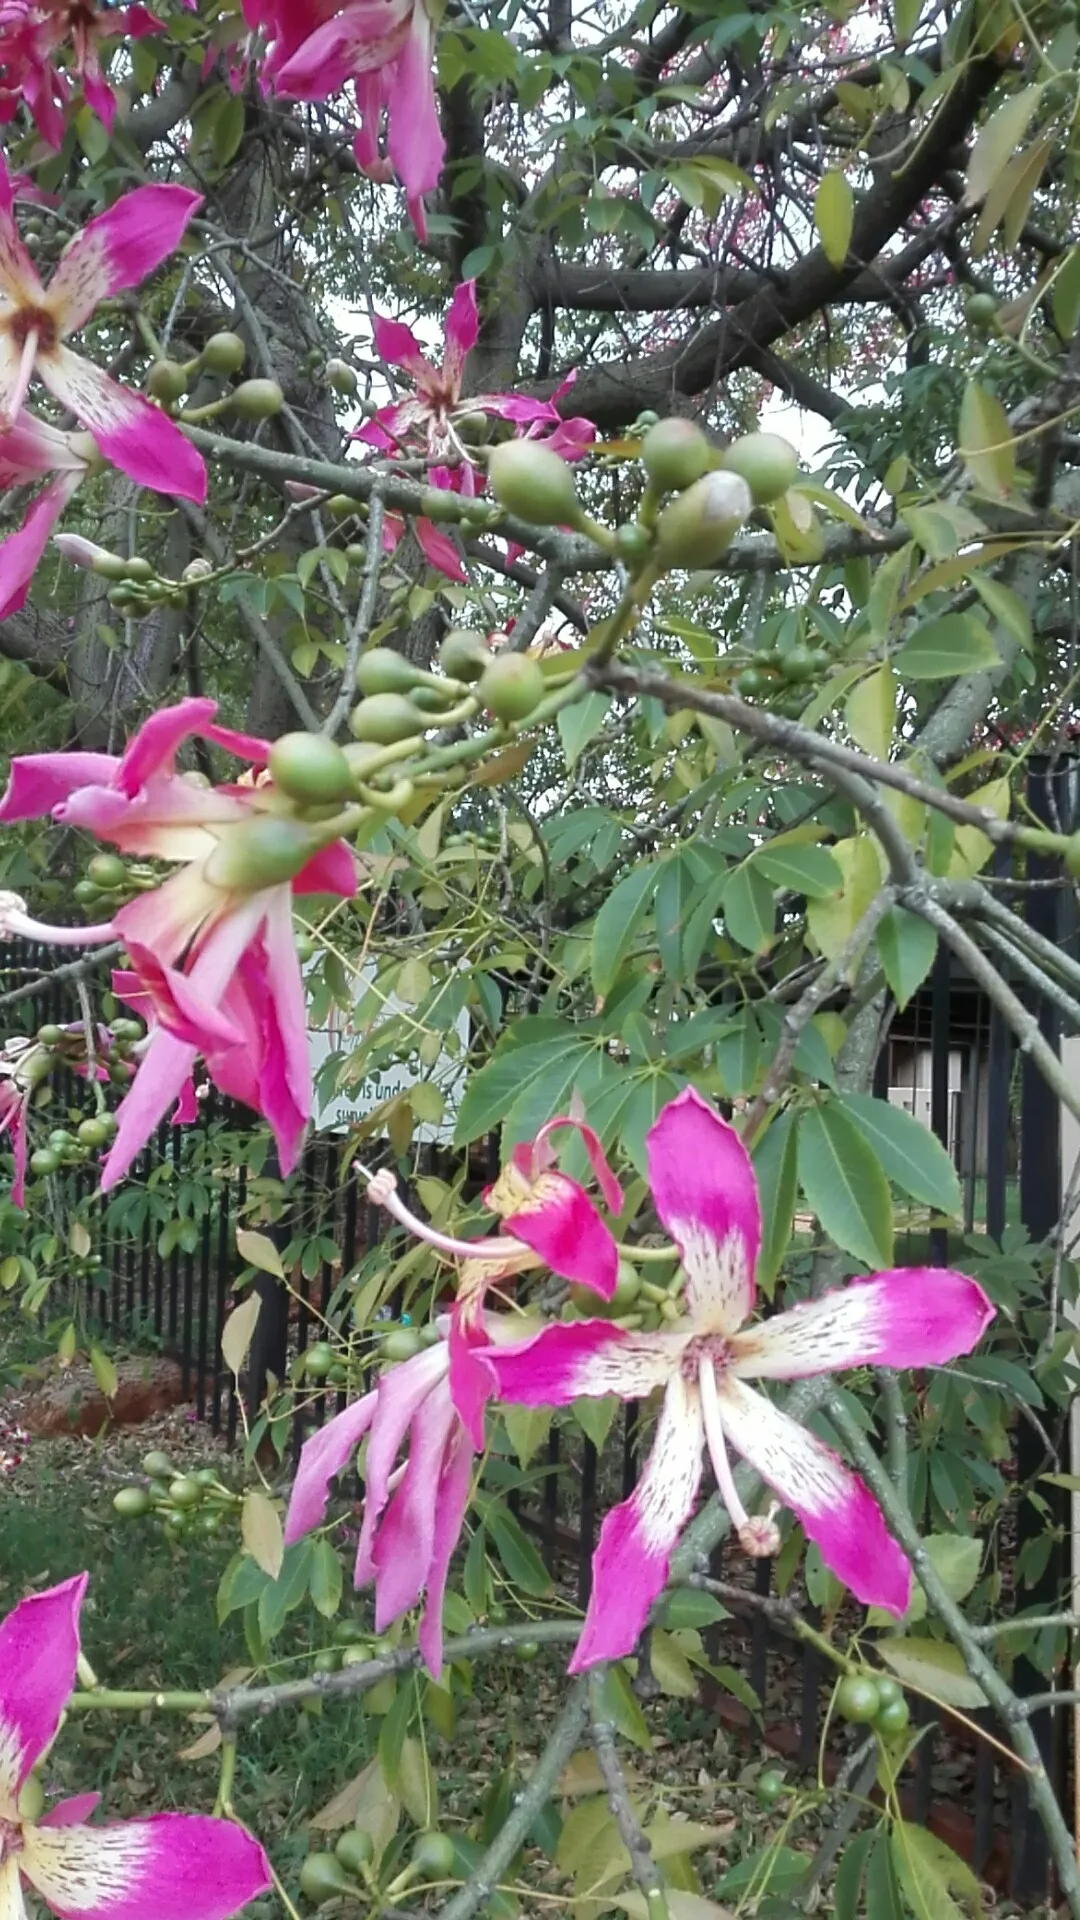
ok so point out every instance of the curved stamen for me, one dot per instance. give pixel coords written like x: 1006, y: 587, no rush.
x: 382, y: 1192
x: 16, y: 922
x: 714, y: 1440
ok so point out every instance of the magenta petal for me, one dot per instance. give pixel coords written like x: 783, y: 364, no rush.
x: 598, y: 1161
x: 21, y: 552
x: 321, y: 1457
x: 139, y: 439
x: 908, y: 1317
x: 462, y: 328
x: 186, y: 1111
x: 451, y: 1502
x: 71, y: 1812
x: 397, y: 346
x: 173, y: 1866
x: 438, y: 547
x: 15, y: 1123
x: 707, y: 1198
x: 401, y: 1392
x: 119, y: 248
x: 332, y: 870
x: 38, y: 782
x: 583, y: 1359
x: 249, y: 747
x: 415, y: 142
x: 39, y: 1647
x: 402, y: 1549
x: 153, y: 749
x: 179, y: 1008
x: 630, y: 1566
x: 285, y: 1086
x: 470, y: 1380
x: 835, y: 1507
x: 163, y: 1072
x: 563, y: 1228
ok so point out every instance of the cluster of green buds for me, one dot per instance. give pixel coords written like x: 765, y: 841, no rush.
x: 637, y: 1304
x: 169, y: 381
x: 185, y: 1504
x: 109, y: 881
x: 352, y: 1871
x: 30, y: 1063
x: 137, y: 586
x: 873, y: 1699
x: 327, y: 1364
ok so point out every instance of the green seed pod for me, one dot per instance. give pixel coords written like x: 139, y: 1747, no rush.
x: 157, y: 1465
x: 463, y: 654
x: 107, y: 870
x: 50, y: 1035
x: 322, y: 1876
x: 131, y: 1503
x: 311, y: 769
x: 534, y: 483
x: 401, y: 1344
x: 44, y: 1162
x: 262, y: 852
x: 355, y: 1850
x: 139, y: 570
x: 385, y: 718
x: 383, y: 670
x: 166, y: 381
x: 224, y: 353
x: 318, y: 1360
x: 766, y: 461
x: 893, y: 1718
x: 695, y: 529
x: 31, y: 1801
x: 94, y: 1133
x: 86, y: 893
x: 769, y: 1787
x: 257, y: 400
x: 979, y: 311
x: 340, y: 376
x: 184, y: 1492
x: 511, y: 686
x: 674, y: 454
x: 857, y: 1699
x: 634, y: 543
x: 434, y: 1853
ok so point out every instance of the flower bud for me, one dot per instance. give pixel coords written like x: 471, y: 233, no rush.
x: 166, y: 381
x: 257, y: 399
x: 695, y: 529
x: 674, y: 454
x: 224, y: 353
x: 384, y: 670
x: 511, y: 686
x: 386, y: 718
x: 260, y: 853
x: 311, y: 769
x: 87, y: 553
x: 198, y: 569
x: 463, y: 654
x: 768, y: 463
x: 534, y: 483
x: 340, y: 376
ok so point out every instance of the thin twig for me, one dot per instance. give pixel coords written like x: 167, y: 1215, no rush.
x: 642, y: 1865
x: 365, y: 613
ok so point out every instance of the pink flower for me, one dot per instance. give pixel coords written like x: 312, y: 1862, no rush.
x: 170, y: 1866
x: 430, y: 420
x: 386, y: 48
x: 705, y: 1193
x: 412, y: 1514
x: 16, y: 1086
x: 30, y: 451
x: 32, y: 36
x: 114, y: 251
x: 212, y: 949
x: 552, y: 1223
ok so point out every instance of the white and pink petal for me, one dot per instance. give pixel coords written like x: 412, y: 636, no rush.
x: 706, y: 1194
x: 584, y: 1359
x: 118, y: 249
x: 630, y: 1566
x: 39, y: 1648
x: 328, y: 1450
x: 909, y: 1317
x: 172, y: 1866
x: 835, y: 1507
x: 132, y: 434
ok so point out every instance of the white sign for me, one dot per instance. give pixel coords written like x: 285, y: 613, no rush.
x: 345, y: 1035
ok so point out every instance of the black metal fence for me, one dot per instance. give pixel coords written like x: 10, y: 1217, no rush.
x: 172, y: 1286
